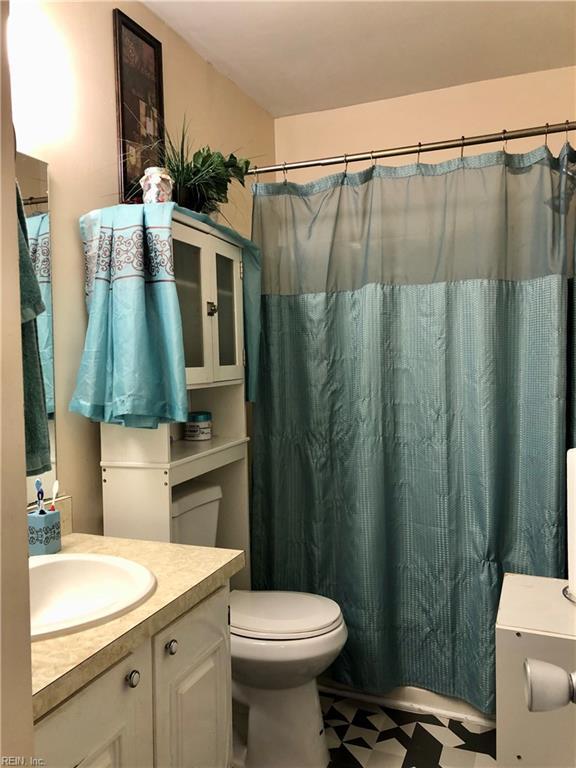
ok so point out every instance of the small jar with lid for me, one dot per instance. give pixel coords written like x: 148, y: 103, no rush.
x: 156, y: 185
x: 198, y: 426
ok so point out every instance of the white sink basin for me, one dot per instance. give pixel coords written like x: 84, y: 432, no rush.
x: 73, y: 592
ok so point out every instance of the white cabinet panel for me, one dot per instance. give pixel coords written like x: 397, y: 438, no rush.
x: 227, y: 338
x: 534, y: 621
x: 192, y: 717
x: 194, y: 273
x: 108, y: 724
x: 208, y: 280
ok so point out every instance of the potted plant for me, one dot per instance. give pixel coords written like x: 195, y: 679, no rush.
x: 201, y: 178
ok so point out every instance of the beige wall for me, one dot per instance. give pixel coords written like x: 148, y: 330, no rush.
x: 82, y: 157
x: 484, y: 107
x: 15, y: 678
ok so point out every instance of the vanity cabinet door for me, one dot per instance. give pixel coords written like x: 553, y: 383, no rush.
x: 193, y: 270
x: 228, y: 337
x: 208, y: 275
x: 192, y: 707
x: 108, y: 724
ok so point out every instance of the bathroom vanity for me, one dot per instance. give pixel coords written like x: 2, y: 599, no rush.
x: 151, y: 687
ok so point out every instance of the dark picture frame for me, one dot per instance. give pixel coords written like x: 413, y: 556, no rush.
x: 140, y: 103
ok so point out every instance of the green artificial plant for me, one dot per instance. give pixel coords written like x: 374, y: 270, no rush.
x: 201, y: 178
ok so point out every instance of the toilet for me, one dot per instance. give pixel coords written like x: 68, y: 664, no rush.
x: 280, y: 643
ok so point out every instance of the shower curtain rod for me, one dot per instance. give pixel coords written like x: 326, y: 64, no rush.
x: 416, y: 149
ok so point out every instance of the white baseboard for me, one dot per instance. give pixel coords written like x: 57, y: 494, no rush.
x: 414, y: 699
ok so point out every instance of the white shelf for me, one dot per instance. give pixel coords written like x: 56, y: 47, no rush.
x: 183, y: 451
x: 213, y: 384
x: 189, y: 458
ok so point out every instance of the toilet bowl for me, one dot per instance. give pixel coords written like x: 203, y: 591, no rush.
x: 280, y: 643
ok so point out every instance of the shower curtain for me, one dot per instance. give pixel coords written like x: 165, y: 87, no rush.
x: 415, y: 404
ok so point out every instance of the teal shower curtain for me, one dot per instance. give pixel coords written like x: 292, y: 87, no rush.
x: 415, y: 404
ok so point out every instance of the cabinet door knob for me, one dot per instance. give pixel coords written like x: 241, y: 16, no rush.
x: 211, y: 308
x: 133, y: 678
x: 172, y: 647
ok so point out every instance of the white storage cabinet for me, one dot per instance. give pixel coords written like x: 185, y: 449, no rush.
x: 535, y: 621
x: 166, y: 705
x: 143, y: 469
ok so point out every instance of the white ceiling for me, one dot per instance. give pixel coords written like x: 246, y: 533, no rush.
x: 295, y: 57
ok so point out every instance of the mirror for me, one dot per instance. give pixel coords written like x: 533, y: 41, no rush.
x: 32, y: 176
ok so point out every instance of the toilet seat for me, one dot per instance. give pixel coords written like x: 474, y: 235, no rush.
x: 282, y: 615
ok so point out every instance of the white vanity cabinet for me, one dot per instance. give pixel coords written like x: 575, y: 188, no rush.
x: 166, y: 705
x: 192, y: 687
x: 107, y: 724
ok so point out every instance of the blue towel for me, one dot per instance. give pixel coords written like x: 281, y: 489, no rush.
x: 132, y: 369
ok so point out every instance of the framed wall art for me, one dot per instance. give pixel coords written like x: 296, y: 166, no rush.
x: 140, y: 104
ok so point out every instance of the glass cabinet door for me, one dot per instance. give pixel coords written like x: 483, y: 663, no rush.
x: 207, y: 270
x: 192, y: 269
x: 228, y: 342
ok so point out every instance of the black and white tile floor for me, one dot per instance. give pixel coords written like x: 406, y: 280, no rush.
x: 366, y: 735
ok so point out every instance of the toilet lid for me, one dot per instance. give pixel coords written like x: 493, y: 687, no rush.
x: 282, y: 615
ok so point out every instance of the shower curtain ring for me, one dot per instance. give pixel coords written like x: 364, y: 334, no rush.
x: 345, y: 166
x: 504, y: 140
x: 546, y: 135
x: 372, y: 158
x: 462, y: 147
x: 257, y: 174
x: 285, y: 172
x: 567, y: 123
x: 418, y: 155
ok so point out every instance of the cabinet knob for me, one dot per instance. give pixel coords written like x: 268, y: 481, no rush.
x: 133, y: 678
x: 172, y: 647
x: 211, y: 308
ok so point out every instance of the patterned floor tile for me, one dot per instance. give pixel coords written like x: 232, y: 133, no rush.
x: 483, y: 761
x: 457, y: 758
x: 391, y: 747
x: 369, y: 737
x: 362, y: 754
x: 381, y: 721
x: 444, y: 735
x: 332, y: 739
x: 385, y: 760
x: 364, y: 734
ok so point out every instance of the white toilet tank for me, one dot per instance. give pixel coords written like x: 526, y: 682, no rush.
x: 195, y: 509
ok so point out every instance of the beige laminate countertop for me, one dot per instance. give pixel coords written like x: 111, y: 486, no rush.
x: 185, y: 576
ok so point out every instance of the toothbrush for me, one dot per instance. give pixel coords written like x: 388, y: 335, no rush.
x: 39, y: 494
x: 55, y: 488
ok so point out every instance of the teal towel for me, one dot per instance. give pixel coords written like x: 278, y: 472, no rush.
x: 132, y: 368
x: 31, y: 305
x: 38, y: 229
